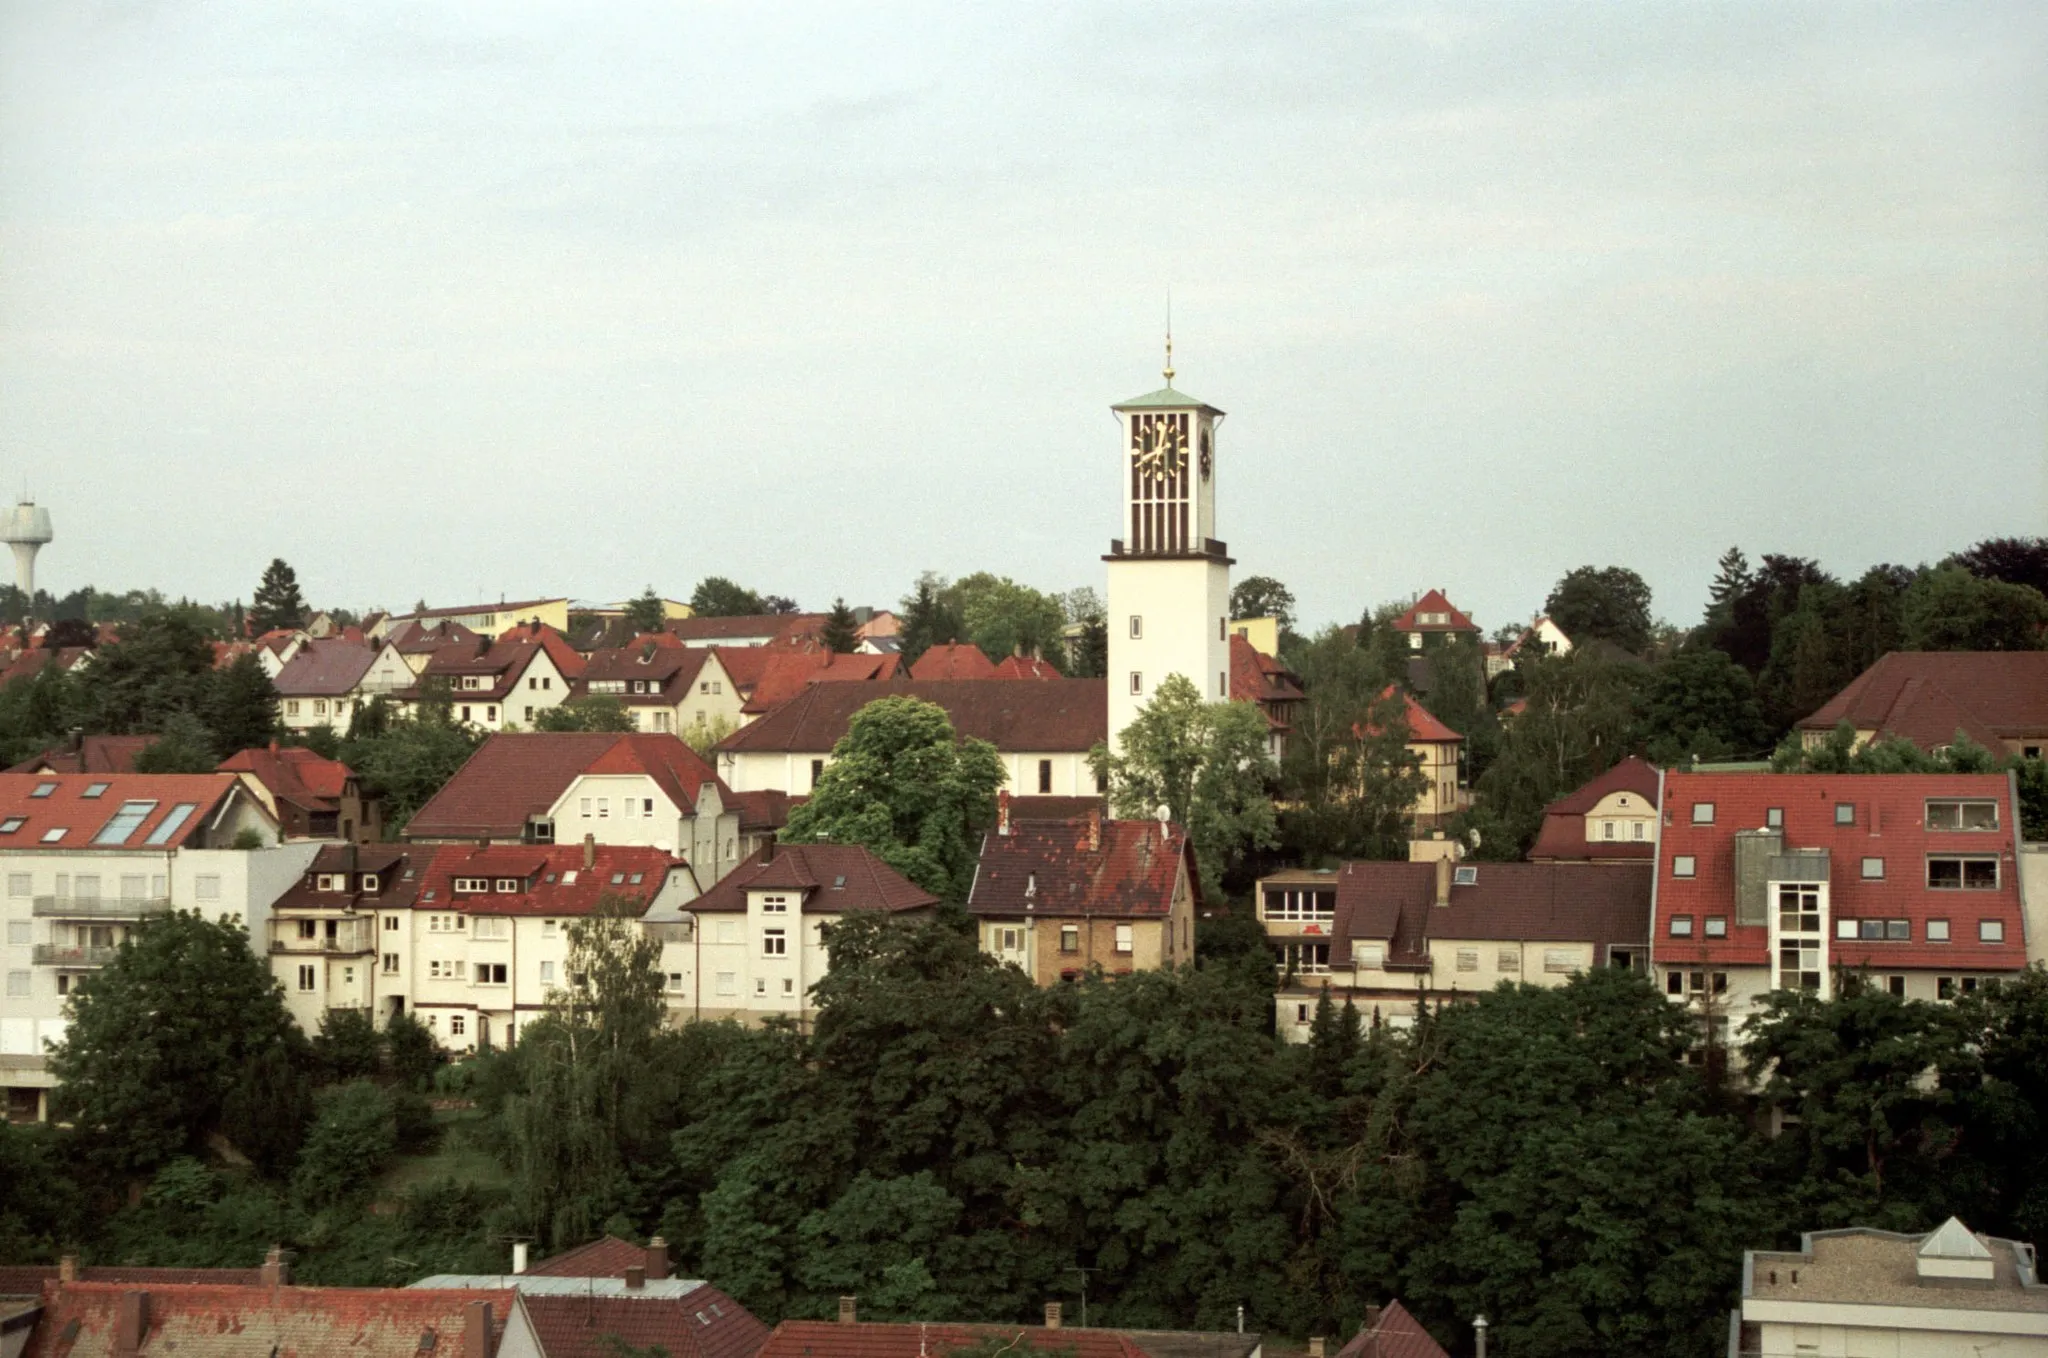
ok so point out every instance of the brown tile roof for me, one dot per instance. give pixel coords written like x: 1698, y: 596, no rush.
x: 606, y: 1257
x: 81, y: 818
x: 705, y: 1323
x: 293, y: 774
x: 28, y: 1279
x: 468, y: 609
x: 401, y: 871
x: 1026, y: 667
x: 415, y: 637
x: 833, y: 879
x: 1433, y: 602
x: 1927, y: 696
x: 1422, y: 727
x: 552, y: 879
x: 1394, y: 903
x: 1071, y: 715
x: 764, y: 810
x: 1563, y: 835
x: 820, y: 1338
x: 1398, y: 1335
x: 95, y: 754
x: 956, y: 661
x: 1048, y: 868
x: 667, y: 669
x: 327, y: 668
x: 79, y: 1321
x: 780, y: 626
x: 517, y: 775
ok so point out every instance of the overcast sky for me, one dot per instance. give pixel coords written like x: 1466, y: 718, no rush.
x: 455, y: 301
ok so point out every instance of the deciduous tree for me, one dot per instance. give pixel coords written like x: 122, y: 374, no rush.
x: 594, y: 713
x: 718, y: 597
x: 1602, y: 603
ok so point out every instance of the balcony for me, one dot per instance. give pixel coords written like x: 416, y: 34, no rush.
x: 99, y: 907
x: 360, y: 939
x: 65, y: 955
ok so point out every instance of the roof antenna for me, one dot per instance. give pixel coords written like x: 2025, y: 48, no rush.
x: 1169, y: 336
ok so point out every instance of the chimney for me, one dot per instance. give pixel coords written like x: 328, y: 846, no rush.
x: 768, y: 850
x: 1003, y: 811
x: 519, y: 1256
x: 67, y: 1269
x: 1052, y: 1315
x: 1443, y: 881
x: 131, y: 1323
x: 657, y: 1258
x: 276, y: 1272
x: 636, y: 1277
x: 846, y: 1315
x: 1315, y: 1346
x: 1095, y: 829
x: 589, y: 852
x: 1372, y: 1319
x: 476, y: 1330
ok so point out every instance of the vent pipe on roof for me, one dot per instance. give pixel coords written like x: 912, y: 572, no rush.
x: 1003, y: 811
x: 518, y: 1256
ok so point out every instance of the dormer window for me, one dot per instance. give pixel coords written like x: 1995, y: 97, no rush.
x: 466, y: 884
x: 775, y: 905
x: 508, y: 884
x: 331, y: 881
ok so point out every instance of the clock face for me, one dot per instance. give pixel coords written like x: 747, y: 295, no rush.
x: 1160, y: 450
x: 1208, y: 461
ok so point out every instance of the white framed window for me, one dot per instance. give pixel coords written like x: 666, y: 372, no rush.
x: 1124, y: 938
x: 1137, y: 683
x: 604, y: 808
x: 492, y: 926
x: 547, y: 973
x: 18, y: 932
x: 549, y: 928
x: 1702, y: 813
x: 490, y: 973
x: 458, y: 1024
x: 1991, y: 931
x: 308, y: 977
x: 391, y: 964
x: 1873, y: 869
x: 22, y: 884
x: 675, y: 983
x: 775, y: 905
x: 391, y: 924
x: 18, y: 983
x: 1137, y: 628
x: 760, y: 985
x: 728, y: 983
x: 1684, y: 865
x: 473, y: 884
x: 583, y: 807
x: 1509, y: 959
x: 774, y: 943
x: 510, y: 885
x: 728, y: 931
x: 1468, y: 959
x: 1962, y: 874
x: 1562, y: 961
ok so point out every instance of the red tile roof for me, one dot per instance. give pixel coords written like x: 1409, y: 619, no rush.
x: 820, y: 1338
x: 79, y: 1321
x: 517, y: 775
x: 1563, y: 835
x: 1927, y: 696
x: 1072, y: 715
x: 81, y: 818
x: 293, y: 774
x: 833, y: 879
x: 20, y: 1280
x: 1433, y: 602
x: 400, y: 870
x: 1395, y: 904
x: 955, y: 661
x: 1025, y: 667
x: 327, y: 668
x: 1048, y: 868
x: 705, y: 1323
x: 789, y: 670
x: 1422, y: 727
x: 780, y: 626
x: 764, y: 810
x: 606, y: 1257
x: 551, y: 878
x: 1398, y: 1335
x: 1890, y: 811
x: 505, y: 662
x: 95, y: 754
x: 31, y: 662
x: 412, y: 636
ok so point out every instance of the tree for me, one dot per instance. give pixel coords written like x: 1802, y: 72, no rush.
x: 1261, y: 596
x: 779, y: 604
x: 930, y: 618
x: 38, y: 711
x: 162, y: 664
x: 162, y: 1038
x: 1952, y: 610
x: 1005, y: 618
x: 2016, y: 561
x: 1746, y: 626
x: 718, y: 597
x: 352, y: 1140
x: 1206, y: 764
x: 410, y: 761
x: 1087, y: 633
x: 278, y: 603
x: 704, y: 733
x: 1610, y: 603
x: 184, y: 746
x: 596, y: 713
x: 900, y: 783
x: 348, y: 1046
x: 647, y: 613
x: 1701, y: 703
x: 241, y: 707
x: 842, y: 633
x: 1351, y: 781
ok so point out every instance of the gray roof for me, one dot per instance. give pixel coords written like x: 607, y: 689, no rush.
x: 1166, y: 398
x: 329, y: 667
x: 542, y: 1285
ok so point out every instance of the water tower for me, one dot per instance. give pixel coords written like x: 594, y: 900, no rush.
x: 26, y: 528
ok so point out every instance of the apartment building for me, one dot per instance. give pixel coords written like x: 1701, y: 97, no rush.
x: 666, y: 686
x: 1058, y: 898
x: 1768, y: 881
x: 1386, y: 935
x: 87, y: 858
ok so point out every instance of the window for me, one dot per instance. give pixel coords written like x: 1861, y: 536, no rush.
x: 1681, y: 926
x: 1319, y: 906
x: 308, y: 929
x: 604, y: 808
x: 1873, y: 869
x: 1774, y: 818
x: 1937, y: 931
x: 308, y: 978
x: 774, y: 943
x: 1637, y: 828
x: 472, y: 884
x: 490, y: 973
x: 1702, y: 813
x: 88, y: 886
x: 1044, y: 776
x: 11, y: 824
x: 1717, y: 926
x: 1466, y: 876
x: 1607, y: 829
x: 1962, y: 874
x: 17, y: 983
x: 43, y: 790
x: 20, y: 884
x: 94, y: 791
x: 1123, y: 938
x: 1306, y: 959
x: 1070, y: 938
x: 775, y: 905
x: 1563, y: 961
x: 1895, y: 986
x: 391, y: 964
x: 391, y: 924
x: 1508, y: 959
x: 1137, y: 627
x: 492, y: 926
x: 18, y: 933
x: 1845, y: 813
x: 817, y: 771
x: 330, y: 881
x: 1137, y: 683
x: 1684, y: 865
x: 1875, y: 930
x: 675, y: 982
x: 548, y: 928
x: 789, y: 985
x: 728, y: 983
x: 171, y: 824
x: 52, y: 836
x: 457, y: 1025
x: 728, y: 931
x: 1798, y: 908
x: 547, y: 973
x: 291, y: 709
x: 1468, y: 959
x: 629, y: 807
x: 1991, y: 931
x: 760, y: 985
x: 583, y: 807
x: 125, y: 822
x: 1962, y: 815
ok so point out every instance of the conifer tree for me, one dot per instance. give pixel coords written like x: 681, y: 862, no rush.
x: 842, y: 634
x: 278, y: 602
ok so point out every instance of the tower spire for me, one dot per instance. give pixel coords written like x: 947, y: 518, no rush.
x: 1169, y: 337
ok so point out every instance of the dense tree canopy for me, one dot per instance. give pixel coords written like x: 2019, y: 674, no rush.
x: 594, y: 713
x: 1602, y: 603
x: 1261, y: 596
x: 1005, y: 618
x: 718, y: 597
x: 1350, y: 781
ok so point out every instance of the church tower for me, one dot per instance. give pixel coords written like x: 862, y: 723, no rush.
x: 1169, y: 578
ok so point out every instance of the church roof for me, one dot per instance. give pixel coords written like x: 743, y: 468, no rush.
x: 1166, y: 398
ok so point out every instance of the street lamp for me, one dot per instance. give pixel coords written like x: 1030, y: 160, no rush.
x: 1479, y: 1335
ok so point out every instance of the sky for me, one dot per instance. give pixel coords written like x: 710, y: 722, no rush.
x: 466, y: 301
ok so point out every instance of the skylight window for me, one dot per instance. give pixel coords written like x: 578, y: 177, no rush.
x: 94, y: 790
x: 52, y: 836
x: 1465, y: 876
x: 126, y: 822
x: 171, y: 824
x: 11, y: 824
x: 44, y: 790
